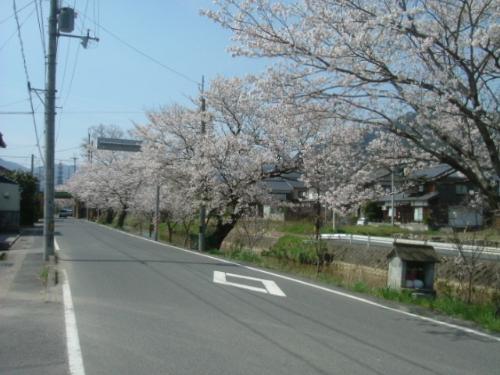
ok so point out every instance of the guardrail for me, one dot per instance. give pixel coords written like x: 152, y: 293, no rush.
x: 388, y: 241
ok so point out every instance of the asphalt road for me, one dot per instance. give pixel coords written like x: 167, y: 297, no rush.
x: 145, y: 308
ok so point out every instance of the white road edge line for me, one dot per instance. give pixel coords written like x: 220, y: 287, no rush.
x: 56, y: 245
x: 328, y: 290
x: 72, y: 340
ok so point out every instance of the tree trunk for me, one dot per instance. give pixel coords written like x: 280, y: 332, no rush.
x: 317, y: 235
x: 220, y: 233
x: 121, y: 217
x: 109, y: 216
x: 186, y: 225
x: 317, y: 221
x: 170, y: 228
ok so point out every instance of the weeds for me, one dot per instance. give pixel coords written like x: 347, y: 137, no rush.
x: 44, y: 275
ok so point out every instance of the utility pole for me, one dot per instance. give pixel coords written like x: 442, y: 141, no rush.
x: 66, y: 24
x: 202, y: 230
x: 74, y: 164
x: 157, y: 212
x: 50, y: 114
x: 392, y: 196
x: 32, y: 164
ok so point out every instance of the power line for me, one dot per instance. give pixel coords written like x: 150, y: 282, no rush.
x: 15, y: 31
x: 69, y: 149
x: 14, y: 102
x: 20, y: 10
x: 144, y: 54
x: 25, y: 65
x: 16, y: 112
x: 96, y: 112
x: 39, y: 20
x: 15, y: 156
x: 75, y: 64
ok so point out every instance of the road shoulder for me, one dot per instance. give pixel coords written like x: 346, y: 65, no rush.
x: 32, y: 338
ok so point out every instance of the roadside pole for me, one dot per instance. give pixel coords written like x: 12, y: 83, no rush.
x: 392, y: 197
x: 66, y: 24
x: 202, y: 229
x: 50, y: 97
x: 157, y: 212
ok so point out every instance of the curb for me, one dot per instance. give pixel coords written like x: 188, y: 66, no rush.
x: 6, y: 245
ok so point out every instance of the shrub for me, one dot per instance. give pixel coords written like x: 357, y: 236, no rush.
x: 294, y: 249
x: 30, y: 200
x: 373, y: 212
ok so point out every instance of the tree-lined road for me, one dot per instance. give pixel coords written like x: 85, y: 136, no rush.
x: 145, y: 308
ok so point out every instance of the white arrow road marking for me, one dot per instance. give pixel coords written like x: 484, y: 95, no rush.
x: 269, y: 286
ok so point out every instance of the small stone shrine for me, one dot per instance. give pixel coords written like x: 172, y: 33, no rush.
x: 412, y: 267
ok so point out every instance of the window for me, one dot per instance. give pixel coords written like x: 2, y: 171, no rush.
x: 418, y: 214
x: 461, y: 189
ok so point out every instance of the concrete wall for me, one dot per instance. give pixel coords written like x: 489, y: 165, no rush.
x: 395, y: 273
x: 10, y: 201
x: 429, y: 272
x: 9, y: 221
x: 10, y: 197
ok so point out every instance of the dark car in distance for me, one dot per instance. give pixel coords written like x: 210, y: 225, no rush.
x: 65, y: 212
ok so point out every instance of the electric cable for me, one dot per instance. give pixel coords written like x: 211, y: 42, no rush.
x: 14, y: 102
x: 144, y: 54
x: 18, y: 11
x: 39, y: 20
x: 25, y: 65
x: 73, y: 71
x: 15, y: 31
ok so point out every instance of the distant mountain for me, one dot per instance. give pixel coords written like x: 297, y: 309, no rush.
x: 10, y: 165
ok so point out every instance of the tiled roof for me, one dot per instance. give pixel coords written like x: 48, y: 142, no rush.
x: 415, y: 253
x: 5, y: 180
x: 402, y: 197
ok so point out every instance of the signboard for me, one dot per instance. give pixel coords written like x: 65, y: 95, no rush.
x: 117, y: 144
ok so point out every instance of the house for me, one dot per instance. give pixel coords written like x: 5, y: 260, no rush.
x: 285, y: 189
x: 10, y: 198
x: 437, y: 195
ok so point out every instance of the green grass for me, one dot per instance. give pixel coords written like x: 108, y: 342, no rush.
x: 360, y: 287
x: 302, y: 227
x: 371, y: 230
x: 44, y: 275
x: 483, y: 314
x: 306, y: 228
x: 293, y: 248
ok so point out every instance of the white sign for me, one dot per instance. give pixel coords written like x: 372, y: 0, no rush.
x: 269, y: 286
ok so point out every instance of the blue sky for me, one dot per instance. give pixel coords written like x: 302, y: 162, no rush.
x: 111, y: 84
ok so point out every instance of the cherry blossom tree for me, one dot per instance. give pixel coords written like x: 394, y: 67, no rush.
x: 426, y: 71
x: 339, y: 170
x: 223, y: 168
x: 110, y: 179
